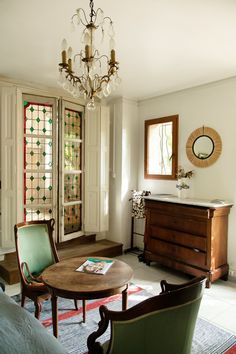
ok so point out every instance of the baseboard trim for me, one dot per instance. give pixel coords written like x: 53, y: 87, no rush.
x: 232, y: 275
x: 4, y: 251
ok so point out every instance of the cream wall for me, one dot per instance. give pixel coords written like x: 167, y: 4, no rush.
x: 212, y: 105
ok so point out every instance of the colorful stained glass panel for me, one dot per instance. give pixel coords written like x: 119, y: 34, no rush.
x: 72, y: 156
x: 72, y: 218
x: 72, y: 124
x: 38, y: 153
x: 71, y: 187
x: 40, y: 213
x: 38, y: 119
x: 38, y: 188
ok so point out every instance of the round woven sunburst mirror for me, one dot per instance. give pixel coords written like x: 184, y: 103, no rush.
x: 203, y: 147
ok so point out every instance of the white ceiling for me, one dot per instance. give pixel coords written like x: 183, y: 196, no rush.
x: 162, y: 45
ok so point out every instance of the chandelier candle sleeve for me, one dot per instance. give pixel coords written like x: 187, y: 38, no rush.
x: 94, y: 75
x: 87, y: 52
x: 113, y: 56
x: 69, y: 65
x: 63, y: 54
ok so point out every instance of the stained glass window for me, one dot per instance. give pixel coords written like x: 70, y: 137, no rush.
x: 38, y: 161
x: 72, y: 170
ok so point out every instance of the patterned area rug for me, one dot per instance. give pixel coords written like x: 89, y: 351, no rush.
x: 208, y: 339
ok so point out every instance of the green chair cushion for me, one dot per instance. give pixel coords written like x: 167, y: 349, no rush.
x: 34, y: 248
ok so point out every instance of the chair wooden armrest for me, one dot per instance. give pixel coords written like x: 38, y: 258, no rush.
x: 93, y: 346
x: 30, y: 278
x: 166, y: 287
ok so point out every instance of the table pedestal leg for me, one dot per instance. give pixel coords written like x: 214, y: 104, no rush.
x: 125, y: 299
x: 84, y: 310
x: 54, y: 315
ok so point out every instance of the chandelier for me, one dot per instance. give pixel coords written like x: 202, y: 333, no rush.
x: 89, y: 73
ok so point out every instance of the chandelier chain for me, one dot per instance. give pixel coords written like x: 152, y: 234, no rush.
x: 92, y: 13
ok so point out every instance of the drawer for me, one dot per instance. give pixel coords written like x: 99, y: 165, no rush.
x: 179, y: 238
x: 179, y: 253
x: 185, y: 224
x: 179, y: 210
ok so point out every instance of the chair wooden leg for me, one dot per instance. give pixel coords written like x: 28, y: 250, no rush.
x: 22, y: 299
x: 76, y: 304
x: 38, y: 308
x: 84, y: 310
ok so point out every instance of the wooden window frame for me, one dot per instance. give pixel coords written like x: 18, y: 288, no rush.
x: 175, y: 120
x: 76, y: 107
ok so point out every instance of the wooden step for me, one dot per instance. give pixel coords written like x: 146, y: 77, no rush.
x: 103, y: 248
x: 73, y: 248
x: 9, y: 271
x: 86, y: 239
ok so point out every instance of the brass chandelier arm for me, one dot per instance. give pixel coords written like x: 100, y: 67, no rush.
x: 113, y: 65
x: 96, y: 14
x: 76, y: 78
x: 77, y: 55
x: 106, y: 79
x: 80, y: 18
x: 80, y: 79
x: 108, y: 18
x: 102, y: 56
x: 96, y: 51
x: 72, y: 18
x: 93, y: 57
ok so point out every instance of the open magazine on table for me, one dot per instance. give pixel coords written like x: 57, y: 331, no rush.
x: 95, y: 266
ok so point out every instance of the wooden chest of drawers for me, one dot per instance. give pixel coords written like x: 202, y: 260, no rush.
x: 189, y: 238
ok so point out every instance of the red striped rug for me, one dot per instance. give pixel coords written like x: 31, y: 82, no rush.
x: 91, y: 305
x: 232, y: 350
x: 208, y: 339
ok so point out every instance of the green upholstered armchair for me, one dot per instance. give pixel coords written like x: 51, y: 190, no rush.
x: 163, y: 324
x: 36, y: 251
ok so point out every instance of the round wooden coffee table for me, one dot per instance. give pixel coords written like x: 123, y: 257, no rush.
x: 63, y: 280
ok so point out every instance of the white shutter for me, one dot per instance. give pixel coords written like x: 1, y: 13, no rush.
x: 96, y: 170
x: 8, y: 165
x: 104, y: 172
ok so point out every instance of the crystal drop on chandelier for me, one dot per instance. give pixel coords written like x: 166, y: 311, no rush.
x: 88, y: 73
